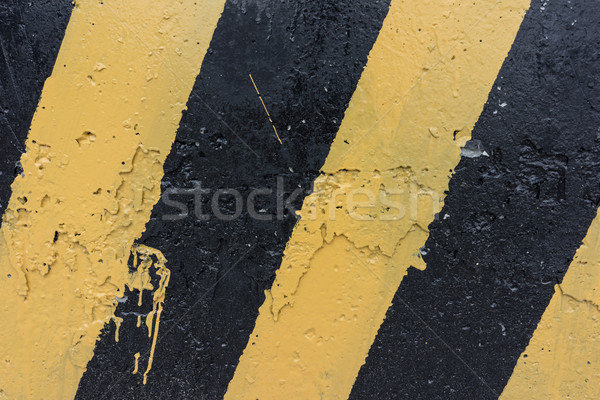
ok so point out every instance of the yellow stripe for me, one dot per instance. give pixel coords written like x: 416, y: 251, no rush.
x: 427, y: 78
x: 562, y: 359
x: 92, y: 171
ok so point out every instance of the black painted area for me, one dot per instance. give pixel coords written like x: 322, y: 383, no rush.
x: 30, y: 36
x: 306, y: 58
x: 514, y: 221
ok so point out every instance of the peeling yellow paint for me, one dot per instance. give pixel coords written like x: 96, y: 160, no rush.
x: 562, y: 359
x: 91, y: 175
x: 424, y: 86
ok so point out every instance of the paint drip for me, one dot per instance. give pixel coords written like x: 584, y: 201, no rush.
x: 144, y: 258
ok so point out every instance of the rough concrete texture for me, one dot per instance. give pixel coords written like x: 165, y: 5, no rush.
x: 517, y: 208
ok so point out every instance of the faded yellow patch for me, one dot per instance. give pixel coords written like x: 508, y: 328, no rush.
x: 424, y: 86
x: 92, y: 170
x: 562, y: 360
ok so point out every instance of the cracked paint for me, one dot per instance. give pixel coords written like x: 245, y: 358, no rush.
x: 91, y: 175
x: 422, y: 90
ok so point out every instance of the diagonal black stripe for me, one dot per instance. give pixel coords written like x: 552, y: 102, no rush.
x: 30, y: 36
x: 306, y: 57
x: 511, y: 224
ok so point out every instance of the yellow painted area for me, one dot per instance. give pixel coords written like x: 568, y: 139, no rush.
x: 145, y: 257
x: 92, y: 170
x: 136, y: 359
x: 118, y: 321
x: 427, y: 78
x: 562, y: 360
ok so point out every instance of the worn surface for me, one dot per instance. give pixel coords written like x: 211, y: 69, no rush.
x: 560, y: 361
x: 91, y: 173
x: 382, y: 183
x: 30, y: 36
x: 206, y: 303
x: 306, y: 59
x: 511, y: 224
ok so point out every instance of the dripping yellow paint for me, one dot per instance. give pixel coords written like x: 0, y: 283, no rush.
x: 144, y: 258
x: 91, y: 175
x: 427, y: 78
x: 136, y: 358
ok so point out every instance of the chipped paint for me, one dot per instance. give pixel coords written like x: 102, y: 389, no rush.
x: 91, y: 175
x: 561, y: 360
x: 382, y: 183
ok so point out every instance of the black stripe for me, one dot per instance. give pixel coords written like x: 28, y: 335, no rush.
x: 511, y: 224
x: 30, y: 36
x: 306, y: 58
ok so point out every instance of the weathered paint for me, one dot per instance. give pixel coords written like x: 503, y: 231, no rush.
x: 512, y: 221
x: 30, y: 36
x: 510, y: 225
x: 562, y: 358
x: 91, y: 175
x: 427, y: 78
x: 306, y: 58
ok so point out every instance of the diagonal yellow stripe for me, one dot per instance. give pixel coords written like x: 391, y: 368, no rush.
x: 562, y: 360
x: 424, y: 86
x: 92, y: 171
